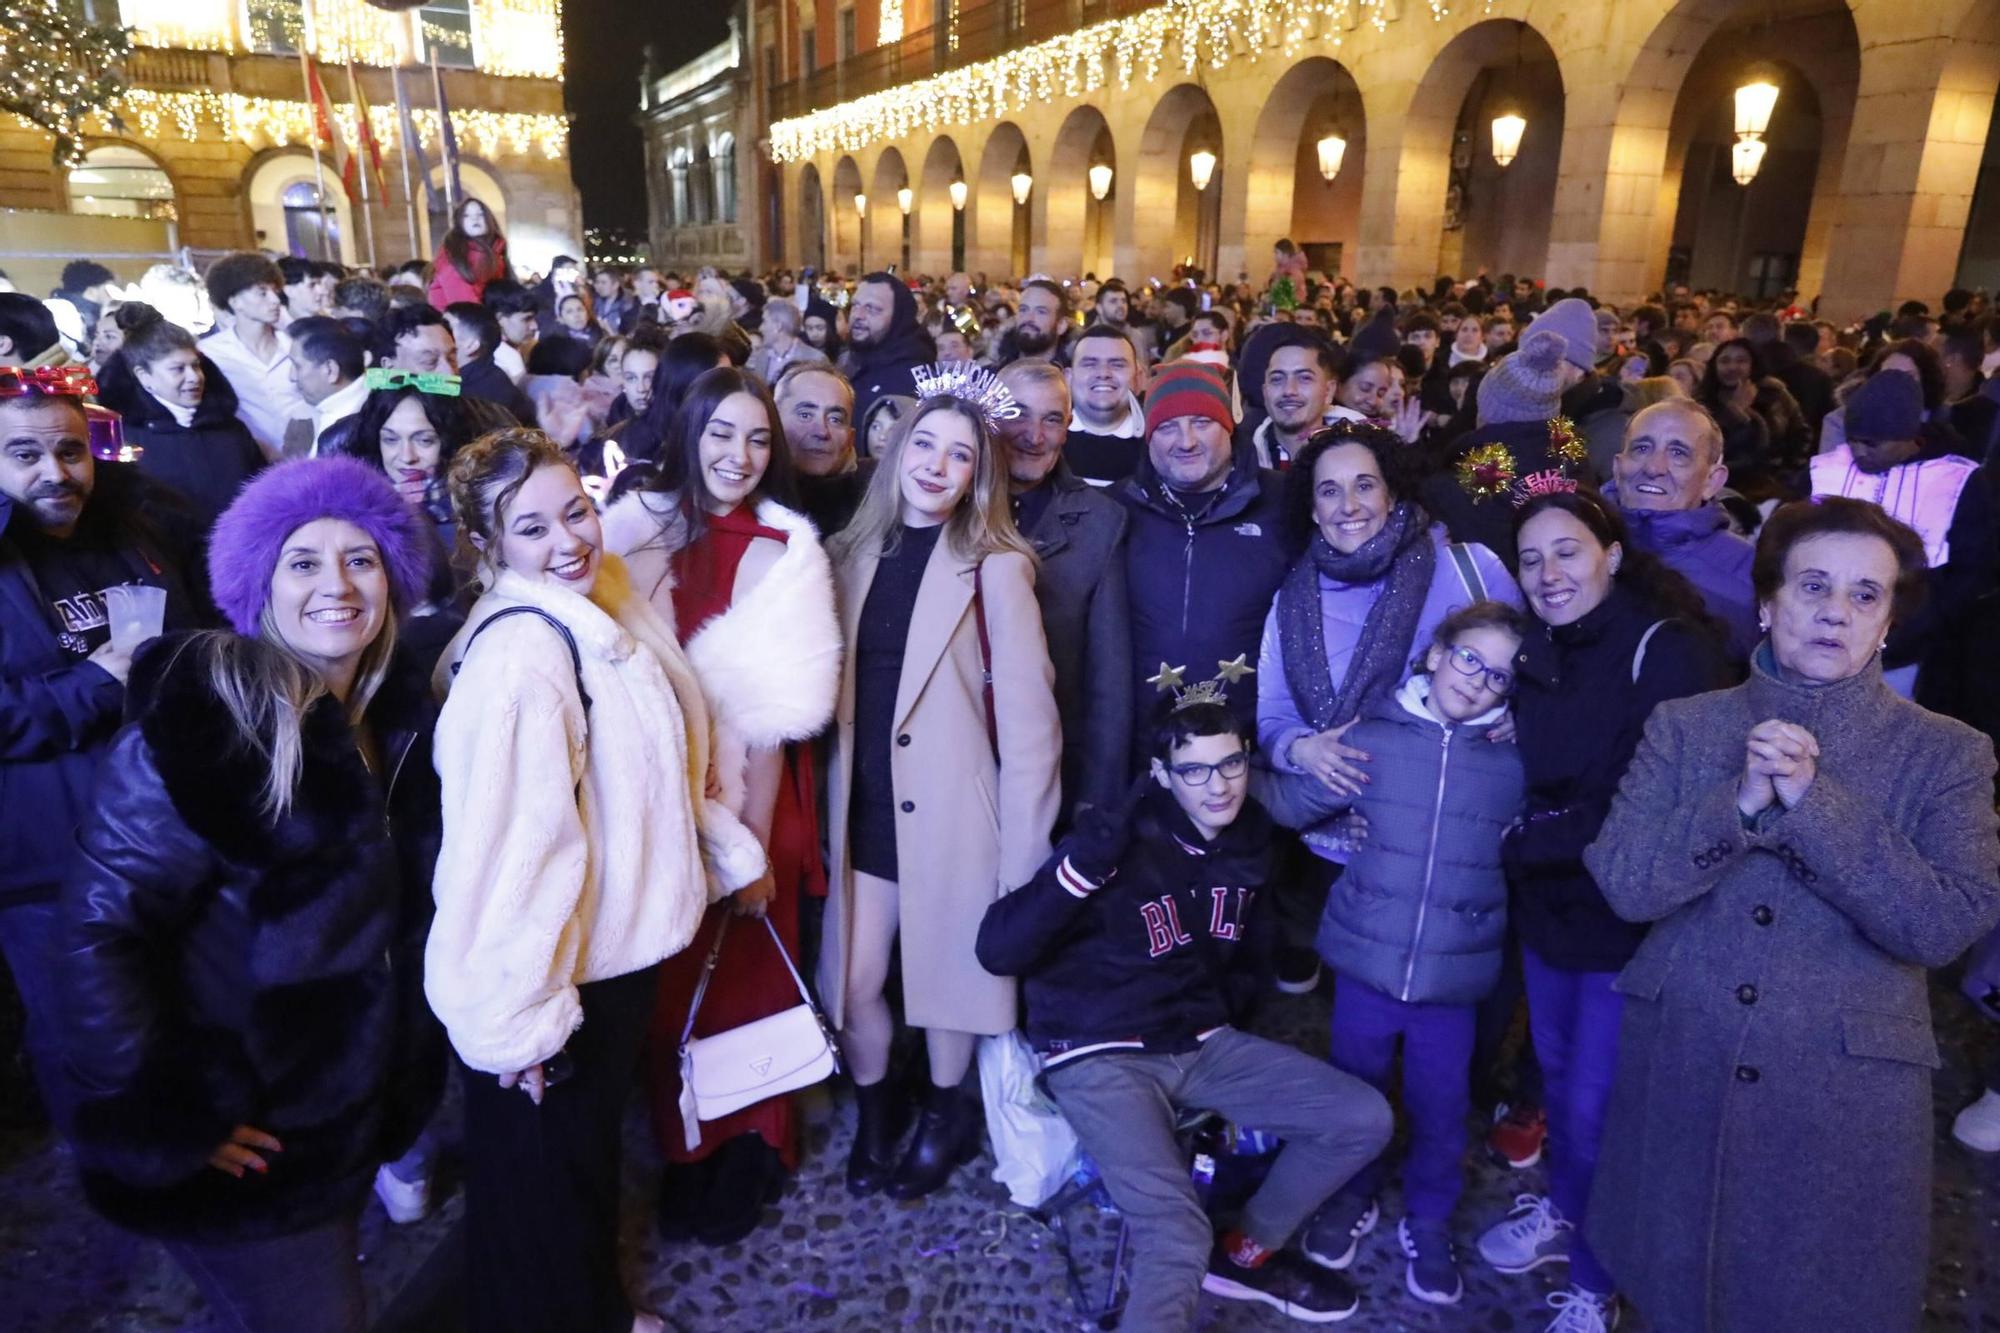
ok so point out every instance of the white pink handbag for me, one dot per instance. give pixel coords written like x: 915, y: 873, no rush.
x: 730, y: 1070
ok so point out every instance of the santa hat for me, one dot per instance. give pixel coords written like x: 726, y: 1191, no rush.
x: 679, y: 304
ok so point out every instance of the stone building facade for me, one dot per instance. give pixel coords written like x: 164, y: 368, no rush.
x: 1623, y: 175
x: 211, y: 150
x: 704, y: 176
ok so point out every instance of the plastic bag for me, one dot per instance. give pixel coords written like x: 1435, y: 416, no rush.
x: 1034, y: 1149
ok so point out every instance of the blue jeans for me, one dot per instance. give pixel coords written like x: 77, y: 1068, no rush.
x: 1574, y: 1017
x: 1437, y: 1087
x: 29, y: 938
x: 306, y: 1282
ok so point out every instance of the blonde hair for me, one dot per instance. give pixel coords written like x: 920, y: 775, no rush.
x: 485, y: 477
x: 981, y: 525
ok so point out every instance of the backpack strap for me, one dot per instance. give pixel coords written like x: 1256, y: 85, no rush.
x: 1468, y: 570
x: 1639, y: 655
x: 569, y: 639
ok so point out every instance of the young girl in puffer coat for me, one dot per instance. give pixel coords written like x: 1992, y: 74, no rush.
x: 1414, y: 930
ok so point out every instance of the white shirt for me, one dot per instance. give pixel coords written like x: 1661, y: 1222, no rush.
x: 342, y: 403
x: 266, y: 398
x: 509, y: 360
x: 1131, y: 427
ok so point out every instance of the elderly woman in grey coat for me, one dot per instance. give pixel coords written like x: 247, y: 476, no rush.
x: 1807, y: 845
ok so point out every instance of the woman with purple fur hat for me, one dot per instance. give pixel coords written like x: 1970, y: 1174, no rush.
x: 243, y: 925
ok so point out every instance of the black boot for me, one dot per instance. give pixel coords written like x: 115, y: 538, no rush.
x: 947, y: 1135
x: 749, y: 1176
x: 682, y: 1187
x: 882, y: 1114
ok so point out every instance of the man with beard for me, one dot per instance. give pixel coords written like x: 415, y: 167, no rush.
x: 1944, y: 497
x: 886, y: 341
x: 1078, y: 535
x: 1107, y: 429
x: 1298, y: 390
x: 1039, y: 324
x: 1113, y: 305
x: 70, y: 527
x: 1667, y: 477
x: 816, y: 412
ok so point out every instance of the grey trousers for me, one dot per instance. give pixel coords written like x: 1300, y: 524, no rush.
x: 1123, y: 1107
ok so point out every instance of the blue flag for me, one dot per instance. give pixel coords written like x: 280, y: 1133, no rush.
x: 413, y: 143
x: 447, y: 139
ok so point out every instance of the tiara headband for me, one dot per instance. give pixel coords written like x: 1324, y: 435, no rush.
x: 1214, y: 690
x: 968, y: 383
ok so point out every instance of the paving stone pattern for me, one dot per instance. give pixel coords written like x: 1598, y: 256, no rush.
x: 964, y: 1260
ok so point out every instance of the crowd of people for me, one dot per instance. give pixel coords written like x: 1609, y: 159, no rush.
x: 1072, y: 663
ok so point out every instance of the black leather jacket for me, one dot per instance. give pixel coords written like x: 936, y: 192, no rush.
x: 224, y: 968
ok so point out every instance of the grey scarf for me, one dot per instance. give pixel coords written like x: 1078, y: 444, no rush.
x: 1402, y: 554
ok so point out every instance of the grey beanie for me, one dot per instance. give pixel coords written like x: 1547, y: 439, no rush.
x: 1573, y: 318
x: 1526, y: 385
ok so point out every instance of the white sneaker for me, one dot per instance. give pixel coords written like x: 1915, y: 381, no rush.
x: 405, y: 1201
x: 1580, y: 1311
x: 1532, y: 1235
x: 1978, y: 1125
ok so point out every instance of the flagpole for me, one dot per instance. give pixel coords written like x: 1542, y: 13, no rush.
x: 319, y: 172
x: 419, y: 243
x: 364, y: 135
x: 448, y: 159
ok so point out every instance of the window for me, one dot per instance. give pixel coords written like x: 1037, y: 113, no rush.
x: 677, y: 188
x: 121, y: 182
x: 701, y: 189
x: 312, y: 231
x: 770, y: 68
x: 274, y: 27
x: 808, y: 51
x: 725, y: 178
x: 446, y: 28
x: 848, y: 29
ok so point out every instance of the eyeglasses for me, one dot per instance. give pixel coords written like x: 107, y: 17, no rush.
x: 1197, y: 775
x: 1472, y: 666
x: 423, y: 381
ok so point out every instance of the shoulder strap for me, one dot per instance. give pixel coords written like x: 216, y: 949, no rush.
x: 1468, y: 570
x: 575, y: 657
x: 1639, y: 655
x: 708, y: 970
x: 985, y: 657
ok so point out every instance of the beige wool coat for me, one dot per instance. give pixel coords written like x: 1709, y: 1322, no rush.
x: 975, y: 829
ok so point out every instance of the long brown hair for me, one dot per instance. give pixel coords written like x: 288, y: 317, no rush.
x: 981, y: 525
x: 458, y: 246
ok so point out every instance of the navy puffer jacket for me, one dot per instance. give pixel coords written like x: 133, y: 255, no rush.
x: 1421, y: 914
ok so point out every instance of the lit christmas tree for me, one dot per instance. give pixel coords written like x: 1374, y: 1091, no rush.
x: 57, y: 69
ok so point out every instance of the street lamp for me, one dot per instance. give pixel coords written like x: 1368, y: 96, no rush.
x: 860, y: 204
x: 1332, y: 152
x: 1746, y: 156
x: 958, y: 196
x: 1201, y: 167
x: 904, y: 198
x: 1507, y: 131
x: 1022, y: 183
x: 1754, y: 104
x: 1100, y: 180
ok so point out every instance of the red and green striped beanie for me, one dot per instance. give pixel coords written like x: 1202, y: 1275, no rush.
x: 1188, y: 389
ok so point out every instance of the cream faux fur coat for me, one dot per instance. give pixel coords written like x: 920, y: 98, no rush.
x: 769, y: 666
x: 578, y: 844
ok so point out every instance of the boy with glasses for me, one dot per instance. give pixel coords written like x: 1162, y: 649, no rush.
x: 1139, y: 946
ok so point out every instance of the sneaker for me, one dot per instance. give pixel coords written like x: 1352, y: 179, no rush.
x: 1978, y: 1125
x: 1298, y: 971
x: 1296, y: 1290
x: 1517, y: 1135
x: 405, y: 1201
x: 1333, y: 1236
x: 1580, y: 1311
x: 1532, y: 1235
x: 1432, y: 1274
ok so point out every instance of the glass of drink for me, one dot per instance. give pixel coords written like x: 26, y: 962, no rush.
x: 137, y: 613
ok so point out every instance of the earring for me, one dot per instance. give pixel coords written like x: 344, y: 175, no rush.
x: 1763, y: 624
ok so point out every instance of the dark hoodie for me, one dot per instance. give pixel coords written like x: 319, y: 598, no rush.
x: 204, y: 463
x: 884, y: 366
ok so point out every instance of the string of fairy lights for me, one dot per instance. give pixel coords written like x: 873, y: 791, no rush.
x: 264, y: 121
x: 1191, y: 34
x: 517, y: 38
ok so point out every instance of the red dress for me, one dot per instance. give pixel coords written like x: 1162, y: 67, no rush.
x: 750, y: 979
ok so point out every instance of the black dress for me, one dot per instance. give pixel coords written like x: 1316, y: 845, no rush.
x: 878, y: 674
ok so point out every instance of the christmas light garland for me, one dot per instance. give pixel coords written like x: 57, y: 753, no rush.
x: 261, y: 121
x: 514, y: 38
x: 1201, y: 32
x: 56, y: 71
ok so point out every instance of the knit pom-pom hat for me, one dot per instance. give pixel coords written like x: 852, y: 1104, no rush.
x: 1525, y: 385
x: 243, y: 550
x: 1188, y: 388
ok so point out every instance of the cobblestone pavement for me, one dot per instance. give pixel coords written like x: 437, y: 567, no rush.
x: 965, y: 1260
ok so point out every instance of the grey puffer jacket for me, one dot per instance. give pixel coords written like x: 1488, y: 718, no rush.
x: 1421, y: 914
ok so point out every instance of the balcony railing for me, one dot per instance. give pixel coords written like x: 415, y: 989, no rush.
x: 981, y: 32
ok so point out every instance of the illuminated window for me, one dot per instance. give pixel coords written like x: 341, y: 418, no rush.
x: 274, y: 27
x: 120, y: 182
x: 446, y: 26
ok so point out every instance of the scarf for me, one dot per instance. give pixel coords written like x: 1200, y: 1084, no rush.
x: 1403, y: 554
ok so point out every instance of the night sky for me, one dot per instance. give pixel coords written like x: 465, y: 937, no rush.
x: 604, y: 41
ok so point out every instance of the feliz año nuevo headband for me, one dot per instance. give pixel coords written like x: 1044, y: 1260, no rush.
x: 971, y: 384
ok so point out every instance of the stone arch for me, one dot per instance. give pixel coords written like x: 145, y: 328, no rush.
x: 1973, y: 71
x: 885, y: 218
x: 997, y: 237
x: 1493, y: 217
x: 1287, y: 197
x: 939, y: 236
x: 122, y: 178
x: 1178, y: 220
x: 812, y: 218
x: 846, y: 222
x: 270, y: 176
x: 1076, y: 226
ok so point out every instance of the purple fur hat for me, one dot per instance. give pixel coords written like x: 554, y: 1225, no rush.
x: 277, y: 502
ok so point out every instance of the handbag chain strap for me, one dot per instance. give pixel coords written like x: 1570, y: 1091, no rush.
x: 708, y: 970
